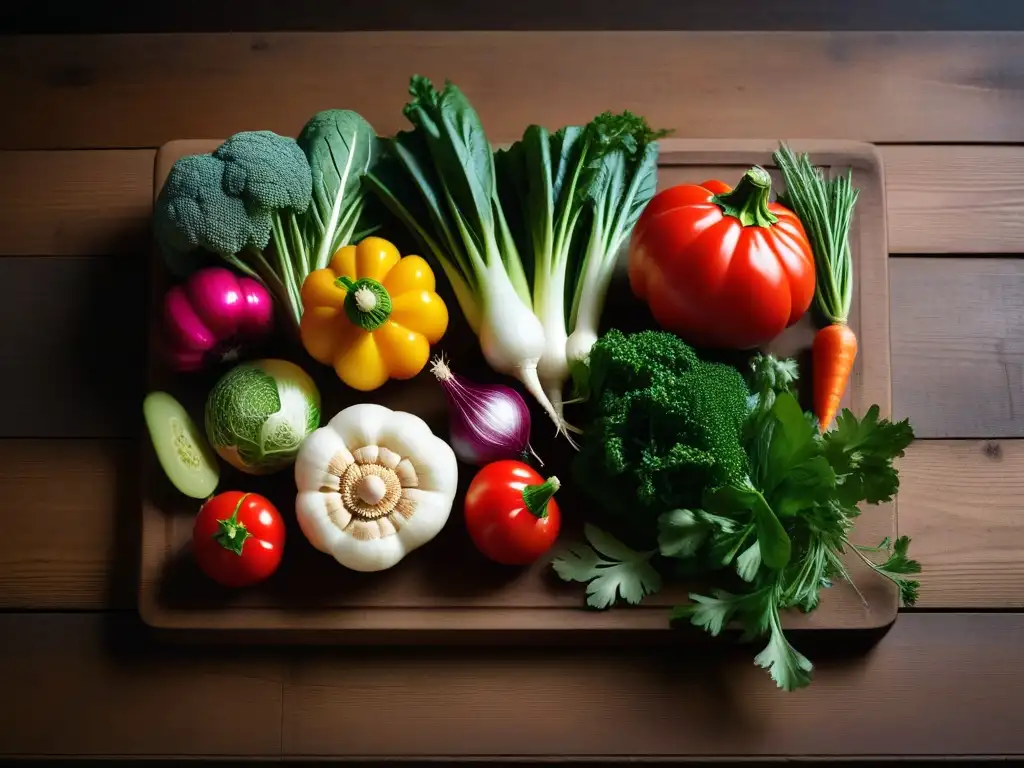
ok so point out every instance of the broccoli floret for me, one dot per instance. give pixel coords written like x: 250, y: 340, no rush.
x: 233, y: 202
x: 194, y: 210
x: 267, y: 170
x: 665, y: 425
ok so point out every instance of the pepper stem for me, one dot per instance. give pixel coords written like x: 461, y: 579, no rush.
x: 368, y: 303
x: 232, y: 534
x: 749, y: 201
x: 536, y: 497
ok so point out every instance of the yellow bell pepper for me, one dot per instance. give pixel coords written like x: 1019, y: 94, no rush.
x: 372, y: 314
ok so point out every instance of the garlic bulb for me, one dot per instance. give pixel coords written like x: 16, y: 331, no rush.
x: 373, y: 485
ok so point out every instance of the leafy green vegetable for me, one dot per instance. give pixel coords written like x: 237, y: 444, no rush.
x: 663, y: 426
x: 813, y: 483
x: 341, y: 148
x: 773, y: 527
x: 577, y: 192
x: 609, y: 568
x: 233, y: 202
x: 440, y: 181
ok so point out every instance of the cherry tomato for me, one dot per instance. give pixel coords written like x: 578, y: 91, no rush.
x: 238, y: 538
x: 511, y: 514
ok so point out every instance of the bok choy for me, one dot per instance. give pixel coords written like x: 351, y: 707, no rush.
x: 580, y: 191
x: 439, y: 180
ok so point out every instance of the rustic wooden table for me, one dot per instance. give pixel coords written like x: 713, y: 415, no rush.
x: 82, y: 117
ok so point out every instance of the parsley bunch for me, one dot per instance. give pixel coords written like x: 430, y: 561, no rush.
x: 779, y: 535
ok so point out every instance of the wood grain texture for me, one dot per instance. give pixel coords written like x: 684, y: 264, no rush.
x: 143, y: 90
x: 73, y: 203
x: 955, y: 199
x: 71, y: 327
x: 90, y: 684
x: 958, y: 502
x: 948, y: 199
x: 568, y: 702
x: 966, y: 529
x: 958, y: 345
x: 69, y: 534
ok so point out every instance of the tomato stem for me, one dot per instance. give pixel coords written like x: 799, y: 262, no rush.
x: 232, y: 534
x: 748, y: 202
x: 536, y: 497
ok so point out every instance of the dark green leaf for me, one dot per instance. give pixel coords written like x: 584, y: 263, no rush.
x: 862, y: 454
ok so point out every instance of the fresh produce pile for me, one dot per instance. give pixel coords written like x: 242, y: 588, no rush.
x: 695, y: 466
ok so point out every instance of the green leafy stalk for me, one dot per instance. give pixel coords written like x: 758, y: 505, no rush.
x: 440, y: 181
x: 825, y: 207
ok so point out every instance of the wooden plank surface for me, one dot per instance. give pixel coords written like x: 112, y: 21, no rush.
x: 70, y: 524
x: 895, y: 700
x: 941, y: 200
x: 73, y: 203
x: 89, y: 684
x: 958, y: 501
x: 143, y: 90
x: 955, y: 199
x: 71, y: 330
x: 958, y: 345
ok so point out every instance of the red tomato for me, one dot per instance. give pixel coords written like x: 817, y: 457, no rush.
x: 238, y: 538
x: 720, y: 267
x: 510, y: 513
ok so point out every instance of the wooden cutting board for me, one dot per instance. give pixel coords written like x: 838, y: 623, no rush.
x: 446, y: 591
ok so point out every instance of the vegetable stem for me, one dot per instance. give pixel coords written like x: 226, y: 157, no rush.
x: 748, y: 202
x: 536, y: 497
x: 231, y: 533
x: 367, y: 303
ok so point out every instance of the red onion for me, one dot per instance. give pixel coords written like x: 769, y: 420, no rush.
x: 487, y: 422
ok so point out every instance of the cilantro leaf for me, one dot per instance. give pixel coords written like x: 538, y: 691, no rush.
x: 681, y: 532
x: 610, y: 569
x: 749, y: 563
x: 862, y: 452
x: 709, y: 613
x: 896, y: 568
x: 789, y: 668
x: 775, y: 544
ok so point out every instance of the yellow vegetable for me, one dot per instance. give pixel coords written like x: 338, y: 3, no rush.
x: 372, y: 314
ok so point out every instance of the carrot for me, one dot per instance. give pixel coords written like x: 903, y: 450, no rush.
x: 825, y: 208
x: 832, y: 356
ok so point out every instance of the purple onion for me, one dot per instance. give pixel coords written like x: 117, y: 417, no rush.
x: 487, y: 422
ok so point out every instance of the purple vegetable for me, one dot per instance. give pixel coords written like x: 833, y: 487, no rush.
x: 213, y: 317
x: 487, y: 422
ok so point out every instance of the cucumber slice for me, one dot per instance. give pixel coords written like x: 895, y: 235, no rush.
x: 185, y: 456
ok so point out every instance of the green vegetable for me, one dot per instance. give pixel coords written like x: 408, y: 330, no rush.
x: 180, y: 447
x: 814, y: 484
x: 233, y: 202
x: 341, y: 148
x: 770, y: 530
x: 259, y: 413
x: 609, y: 568
x: 663, y: 426
x: 600, y: 176
x: 439, y: 180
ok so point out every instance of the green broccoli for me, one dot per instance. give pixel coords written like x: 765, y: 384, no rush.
x: 665, y: 425
x: 234, y: 202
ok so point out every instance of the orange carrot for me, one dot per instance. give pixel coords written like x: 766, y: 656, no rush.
x: 825, y: 208
x: 832, y: 356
